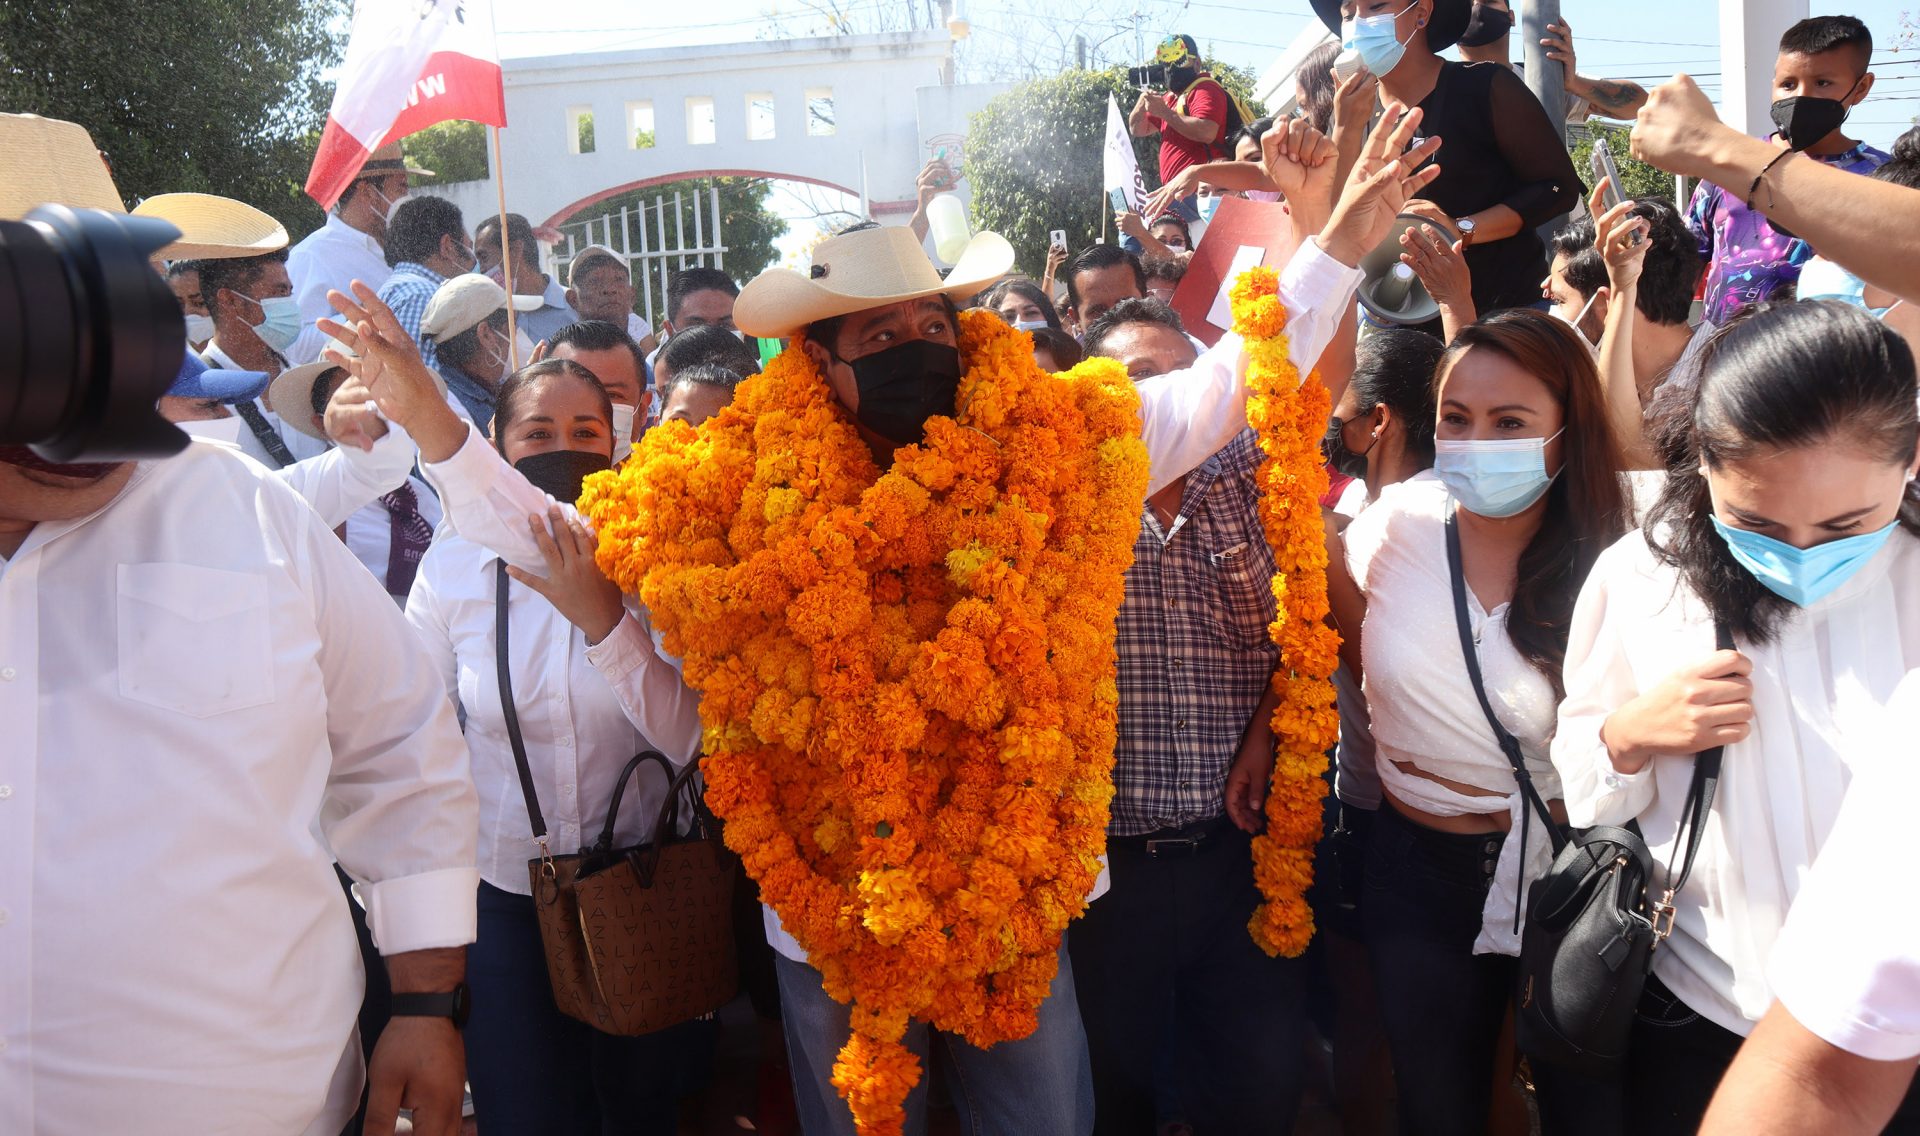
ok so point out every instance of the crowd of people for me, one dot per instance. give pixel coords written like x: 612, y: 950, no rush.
x: 1641, y: 492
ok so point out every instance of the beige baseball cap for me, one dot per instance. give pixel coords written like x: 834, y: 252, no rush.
x: 464, y: 301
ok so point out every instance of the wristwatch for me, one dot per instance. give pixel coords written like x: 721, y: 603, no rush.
x: 1466, y: 231
x: 454, y: 1004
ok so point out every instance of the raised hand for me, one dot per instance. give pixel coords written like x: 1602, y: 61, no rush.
x: 1184, y: 183
x: 1438, y: 258
x: 1299, y: 161
x: 1620, y: 238
x: 1677, y: 129
x: 574, y: 584
x: 1386, y: 177
x: 389, y: 363
x: 348, y: 419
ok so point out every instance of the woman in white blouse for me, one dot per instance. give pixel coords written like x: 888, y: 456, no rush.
x: 1789, y: 515
x: 590, y: 692
x: 1526, y: 461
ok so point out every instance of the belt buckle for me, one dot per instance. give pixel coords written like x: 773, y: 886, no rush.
x: 1173, y: 846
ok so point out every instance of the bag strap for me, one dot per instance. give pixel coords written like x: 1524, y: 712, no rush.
x: 505, y: 679
x: 1509, y: 745
x: 1693, y: 815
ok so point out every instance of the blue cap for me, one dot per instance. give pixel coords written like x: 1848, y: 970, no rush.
x: 197, y: 380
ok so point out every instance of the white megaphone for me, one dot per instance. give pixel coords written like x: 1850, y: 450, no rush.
x: 1391, y: 291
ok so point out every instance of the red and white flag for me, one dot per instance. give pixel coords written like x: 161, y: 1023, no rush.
x: 409, y: 64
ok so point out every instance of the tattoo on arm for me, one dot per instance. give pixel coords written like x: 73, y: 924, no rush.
x: 1616, y: 98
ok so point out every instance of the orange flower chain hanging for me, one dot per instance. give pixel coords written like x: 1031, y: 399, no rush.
x: 907, y: 677
x: 1290, y: 417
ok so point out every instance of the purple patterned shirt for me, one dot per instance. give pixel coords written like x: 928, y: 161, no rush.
x: 1747, y: 258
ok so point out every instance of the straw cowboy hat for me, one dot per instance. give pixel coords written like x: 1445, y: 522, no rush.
x: 1444, y: 27
x: 388, y: 159
x: 44, y: 161
x: 867, y: 269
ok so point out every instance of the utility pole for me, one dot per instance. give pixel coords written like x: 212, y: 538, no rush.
x: 1546, y: 78
x: 1080, y: 52
x: 1139, y: 45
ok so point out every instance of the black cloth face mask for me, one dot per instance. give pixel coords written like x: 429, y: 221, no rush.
x: 1488, y: 25
x: 903, y: 386
x: 1180, y: 78
x: 560, y: 472
x: 1805, y: 119
x: 1334, y: 449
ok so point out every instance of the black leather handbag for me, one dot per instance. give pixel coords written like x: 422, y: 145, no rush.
x: 1592, y: 923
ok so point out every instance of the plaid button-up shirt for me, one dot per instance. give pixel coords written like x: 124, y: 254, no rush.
x: 408, y: 292
x: 1195, y: 656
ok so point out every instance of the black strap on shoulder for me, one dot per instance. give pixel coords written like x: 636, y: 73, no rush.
x: 1509, y: 745
x: 1700, y: 792
x: 506, y: 704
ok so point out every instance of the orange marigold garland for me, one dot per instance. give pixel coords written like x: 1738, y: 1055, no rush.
x: 906, y: 677
x: 1291, y: 417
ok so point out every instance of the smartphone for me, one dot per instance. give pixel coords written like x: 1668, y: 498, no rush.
x: 1058, y: 239
x: 1603, y: 167
x: 1118, y: 199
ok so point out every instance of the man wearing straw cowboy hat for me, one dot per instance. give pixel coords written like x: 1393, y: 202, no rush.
x: 350, y: 246
x: 878, y: 326
x: 207, y: 701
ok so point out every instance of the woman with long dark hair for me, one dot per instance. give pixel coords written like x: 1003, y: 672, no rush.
x: 1790, y: 517
x: 1526, y: 475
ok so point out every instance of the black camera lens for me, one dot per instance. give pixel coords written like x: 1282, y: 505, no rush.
x: 1152, y: 75
x: 90, y: 336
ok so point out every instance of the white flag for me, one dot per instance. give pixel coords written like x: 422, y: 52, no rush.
x: 1122, y: 165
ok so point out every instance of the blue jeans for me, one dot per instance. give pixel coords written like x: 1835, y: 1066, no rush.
x: 535, y: 1071
x: 1040, y: 1085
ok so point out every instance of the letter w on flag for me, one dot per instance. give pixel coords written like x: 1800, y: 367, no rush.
x: 409, y: 64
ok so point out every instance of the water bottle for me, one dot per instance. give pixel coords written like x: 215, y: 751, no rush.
x: 947, y: 222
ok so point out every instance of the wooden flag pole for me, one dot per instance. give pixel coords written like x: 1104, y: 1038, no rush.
x: 506, y: 251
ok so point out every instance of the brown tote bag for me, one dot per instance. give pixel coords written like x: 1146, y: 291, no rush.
x: 640, y: 938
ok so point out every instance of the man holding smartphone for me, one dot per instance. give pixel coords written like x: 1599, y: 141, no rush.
x: 1190, y: 117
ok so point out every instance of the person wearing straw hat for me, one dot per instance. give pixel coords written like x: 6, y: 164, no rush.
x: 351, y: 245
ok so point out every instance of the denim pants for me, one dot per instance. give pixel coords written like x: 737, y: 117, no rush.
x: 1039, y: 1085
x: 537, y: 1072
x: 1443, y: 1005
x: 1174, y: 989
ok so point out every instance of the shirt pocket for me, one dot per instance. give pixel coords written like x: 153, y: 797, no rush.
x: 194, y: 640
x: 1240, y: 604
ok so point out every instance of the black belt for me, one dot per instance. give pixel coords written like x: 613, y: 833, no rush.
x: 1168, y: 843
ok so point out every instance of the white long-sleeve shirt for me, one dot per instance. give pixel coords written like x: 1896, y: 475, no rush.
x: 583, y: 711
x: 1185, y: 417
x: 1819, y: 692
x: 338, y: 481
x: 331, y: 257
x: 204, y: 703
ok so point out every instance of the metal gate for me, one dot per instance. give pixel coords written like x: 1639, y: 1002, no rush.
x: 651, y: 238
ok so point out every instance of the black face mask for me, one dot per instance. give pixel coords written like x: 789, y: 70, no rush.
x: 903, y: 386
x: 1806, y: 119
x: 560, y: 472
x: 1488, y: 25
x: 1180, y: 78
x: 1334, y: 449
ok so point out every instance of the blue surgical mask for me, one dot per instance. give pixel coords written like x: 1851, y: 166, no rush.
x: 279, y: 322
x: 1494, y: 478
x: 1822, y: 279
x: 1374, y: 39
x: 1206, y: 205
x: 1029, y: 325
x: 1801, y: 575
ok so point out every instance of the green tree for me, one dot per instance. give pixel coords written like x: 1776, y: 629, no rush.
x: 214, y: 96
x: 1642, y: 180
x: 747, y: 227
x: 1034, y: 157
x: 584, y: 134
x: 454, y: 151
